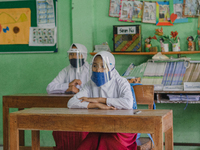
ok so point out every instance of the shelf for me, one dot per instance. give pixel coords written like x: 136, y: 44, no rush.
x: 178, y: 102
x: 176, y: 92
x: 161, y: 97
x: 151, y: 53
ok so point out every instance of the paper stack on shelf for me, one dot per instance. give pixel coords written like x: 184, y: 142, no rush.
x: 179, y: 97
x: 137, y: 71
x: 173, y: 75
x: 191, y: 86
x: 177, y: 73
x: 173, y: 88
x: 192, y: 73
x: 134, y: 73
x: 153, y: 74
x: 129, y: 69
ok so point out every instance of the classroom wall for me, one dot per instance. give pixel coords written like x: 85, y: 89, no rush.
x: 31, y: 73
x: 87, y: 22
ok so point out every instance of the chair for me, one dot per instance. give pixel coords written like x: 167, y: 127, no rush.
x: 144, y: 96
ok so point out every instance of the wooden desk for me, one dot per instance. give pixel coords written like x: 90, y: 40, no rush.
x: 22, y: 101
x: 155, y: 122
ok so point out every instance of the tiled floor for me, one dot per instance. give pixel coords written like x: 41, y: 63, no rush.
x: 1, y: 147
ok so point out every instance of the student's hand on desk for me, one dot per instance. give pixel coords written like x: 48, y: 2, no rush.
x: 72, y: 89
x: 104, y: 106
x: 75, y: 82
x: 100, y: 106
x: 93, y: 100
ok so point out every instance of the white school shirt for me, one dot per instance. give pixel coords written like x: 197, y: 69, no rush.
x: 117, y: 91
x: 61, y: 83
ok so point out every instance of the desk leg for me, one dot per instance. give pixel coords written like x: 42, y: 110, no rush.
x: 35, y: 140
x: 169, y: 139
x: 5, y: 128
x: 158, y: 135
x: 21, y: 134
x: 14, y: 133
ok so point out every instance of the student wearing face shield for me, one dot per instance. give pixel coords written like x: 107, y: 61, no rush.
x: 106, y: 90
x: 70, y: 80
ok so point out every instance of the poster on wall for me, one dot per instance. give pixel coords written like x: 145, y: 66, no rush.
x: 42, y: 36
x: 163, y: 14
x: 178, y: 9
x: 114, y: 8
x: 14, y: 26
x: 45, y: 13
x: 126, y: 11
x: 149, y: 12
x: 190, y: 8
x: 137, y: 10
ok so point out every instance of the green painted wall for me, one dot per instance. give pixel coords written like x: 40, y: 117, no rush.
x: 31, y: 73
x: 88, y: 23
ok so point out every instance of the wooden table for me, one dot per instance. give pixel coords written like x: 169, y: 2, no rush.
x: 22, y: 101
x: 155, y: 122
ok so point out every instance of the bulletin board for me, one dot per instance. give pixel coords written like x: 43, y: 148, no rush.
x: 25, y: 7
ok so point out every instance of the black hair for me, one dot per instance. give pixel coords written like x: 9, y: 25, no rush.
x: 73, y: 45
x: 162, y: 39
x: 191, y: 37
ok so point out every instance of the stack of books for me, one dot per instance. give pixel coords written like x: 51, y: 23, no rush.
x: 192, y: 73
x: 174, y: 73
x: 154, y: 73
x: 135, y: 71
x: 167, y: 76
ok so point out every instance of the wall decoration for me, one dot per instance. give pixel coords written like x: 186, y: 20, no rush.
x: 198, y: 8
x: 15, y: 24
x: 178, y: 9
x: 137, y: 10
x: 45, y: 13
x: 127, y: 38
x: 191, y: 43
x: 173, y: 17
x: 42, y: 36
x: 114, y: 8
x: 149, y: 12
x: 163, y: 14
x: 189, y: 8
x: 126, y: 11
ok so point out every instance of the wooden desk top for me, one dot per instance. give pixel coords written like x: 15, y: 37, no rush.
x: 36, y: 100
x: 39, y: 94
x: 92, y: 112
x: 92, y: 120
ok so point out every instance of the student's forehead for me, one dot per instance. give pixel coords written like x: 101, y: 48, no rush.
x: 98, y: 59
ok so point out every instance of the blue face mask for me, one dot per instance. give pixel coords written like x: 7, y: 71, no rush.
x: 99, y: 78
x: 74, y: 63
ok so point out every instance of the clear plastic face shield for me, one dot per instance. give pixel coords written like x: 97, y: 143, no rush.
x: 100, y: 72
x: 76, y: 58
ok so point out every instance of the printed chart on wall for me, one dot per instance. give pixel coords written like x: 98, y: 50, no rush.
x: 28, y: 26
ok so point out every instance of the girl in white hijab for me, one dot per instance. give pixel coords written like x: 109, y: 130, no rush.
x: 106, y: 90
x: 70, y: 80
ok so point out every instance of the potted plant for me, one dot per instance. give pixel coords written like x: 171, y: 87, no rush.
x: 175, y: 41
